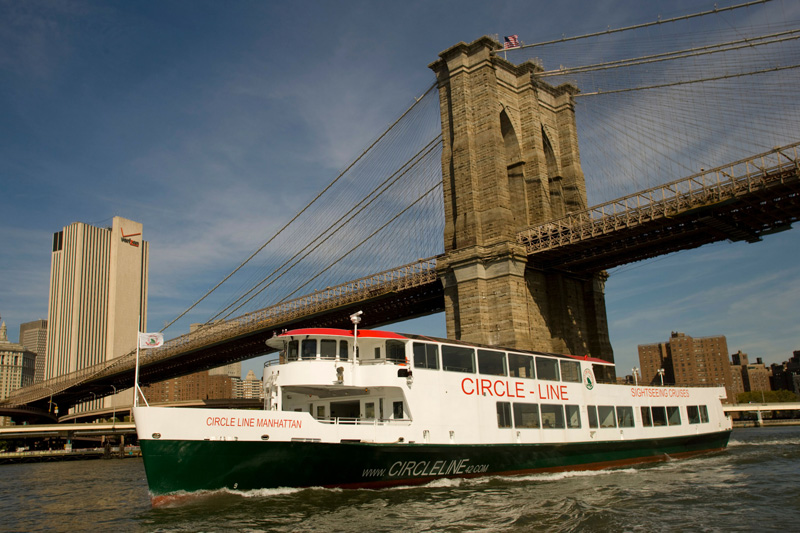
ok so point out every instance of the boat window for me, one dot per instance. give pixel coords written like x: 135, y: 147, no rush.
x: 395, y: 351
x: 458, y: 359
x: 520, y: 366
x: 369, y: 410
x: 503, y: 414
x: 291, y: 350
x: 344, y: 352
x: 704, y: 414
x: 547, y: 368
x: 625, y: 417
x: 309, y: 349
x: 659, y: 416
x: 592, y: 416
x: 327, y: 348
x: 426, y: 355
x: 552, y: 416
x: 674, y: 415
x: 492, y: 363
x: 571, y: 371
x: 526, y: 415
x: 397, y: 410
x: 320, y: 411
x: 606, y: 415
x: 693, y: 414
x: 646, y: 420
x: 573, y: 416
x: 377, y: 352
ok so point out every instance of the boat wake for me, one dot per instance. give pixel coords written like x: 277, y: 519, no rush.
x: 179, y: 499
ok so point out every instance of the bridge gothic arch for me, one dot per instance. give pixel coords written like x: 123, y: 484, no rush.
x: 509, y: 160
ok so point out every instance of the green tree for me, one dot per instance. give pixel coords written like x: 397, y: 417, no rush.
x: 768, y: 396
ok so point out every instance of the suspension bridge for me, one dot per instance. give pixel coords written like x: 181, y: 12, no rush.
x: 692, y: 141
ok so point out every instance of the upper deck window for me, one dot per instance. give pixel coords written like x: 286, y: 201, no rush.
x: 492, y: 363
x: 327, y: 348
x: 344, y: 352
x: 547, y: 368
x: 395, y: 351
x: 571, y: 371
x: 458, y: 359
x: 292, y: 350
x: 426, y: 355
x: 520, y: 366
x: 308, y: 349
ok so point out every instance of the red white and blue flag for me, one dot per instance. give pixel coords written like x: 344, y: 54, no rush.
x: 511, y: 41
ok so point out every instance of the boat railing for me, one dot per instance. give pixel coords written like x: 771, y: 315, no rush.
x: 387, y: 361
x: 345, y: 421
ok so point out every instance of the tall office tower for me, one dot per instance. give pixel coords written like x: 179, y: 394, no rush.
x: 98, y: 295
x: 33, y: 336
x: 689, y: 361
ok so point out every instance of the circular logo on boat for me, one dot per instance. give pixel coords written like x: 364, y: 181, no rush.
x: 588, y: 378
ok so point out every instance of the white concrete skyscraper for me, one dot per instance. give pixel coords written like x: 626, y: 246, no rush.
x: 98, y: 295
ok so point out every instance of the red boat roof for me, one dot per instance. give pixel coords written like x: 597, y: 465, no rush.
x: 334, y: 332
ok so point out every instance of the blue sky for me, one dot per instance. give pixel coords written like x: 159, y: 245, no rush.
x: 212, y: 123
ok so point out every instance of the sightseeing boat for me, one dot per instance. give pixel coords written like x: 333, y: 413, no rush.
x: 367, y: 409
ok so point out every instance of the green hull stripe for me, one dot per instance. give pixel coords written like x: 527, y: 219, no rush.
x: 190, y: 466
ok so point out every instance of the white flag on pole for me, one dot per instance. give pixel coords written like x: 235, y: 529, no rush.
x: 150, y: 340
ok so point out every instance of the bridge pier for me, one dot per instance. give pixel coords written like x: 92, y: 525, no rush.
x: 510, y: 160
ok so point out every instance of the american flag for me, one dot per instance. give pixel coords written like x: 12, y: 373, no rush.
x: 511, y: 41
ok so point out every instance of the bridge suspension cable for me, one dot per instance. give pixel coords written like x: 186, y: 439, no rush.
x: 305, y: 209
x: 696, y: 94
x: 658, y: 22
x: 679, y: 54
x: 337, y: 226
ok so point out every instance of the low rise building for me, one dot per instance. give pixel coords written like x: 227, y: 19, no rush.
x: 688, y: 360
x: 17, y: 367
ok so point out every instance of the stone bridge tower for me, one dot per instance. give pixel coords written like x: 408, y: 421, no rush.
x: 510, y: 160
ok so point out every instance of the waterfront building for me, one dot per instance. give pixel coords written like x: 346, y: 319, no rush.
x: 688, y: 361
x: 197, y: 386
x: 17, y: 367
x: 786, y: 376
x: 652, y: 359
x: 98, y: 297
x: 755, y: 376
x: 737, y: 382
x: 33, y: 335
x: 249, y: 388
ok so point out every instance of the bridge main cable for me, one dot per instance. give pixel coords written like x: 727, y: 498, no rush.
x: 317, y: 197
x: 636, y: 26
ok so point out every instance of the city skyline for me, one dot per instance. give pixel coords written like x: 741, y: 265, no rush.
x: 213, y: 125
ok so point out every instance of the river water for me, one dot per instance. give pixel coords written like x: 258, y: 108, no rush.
x: 753, y: 485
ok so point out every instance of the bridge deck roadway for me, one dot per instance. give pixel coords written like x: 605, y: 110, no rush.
x: 741, y: 201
